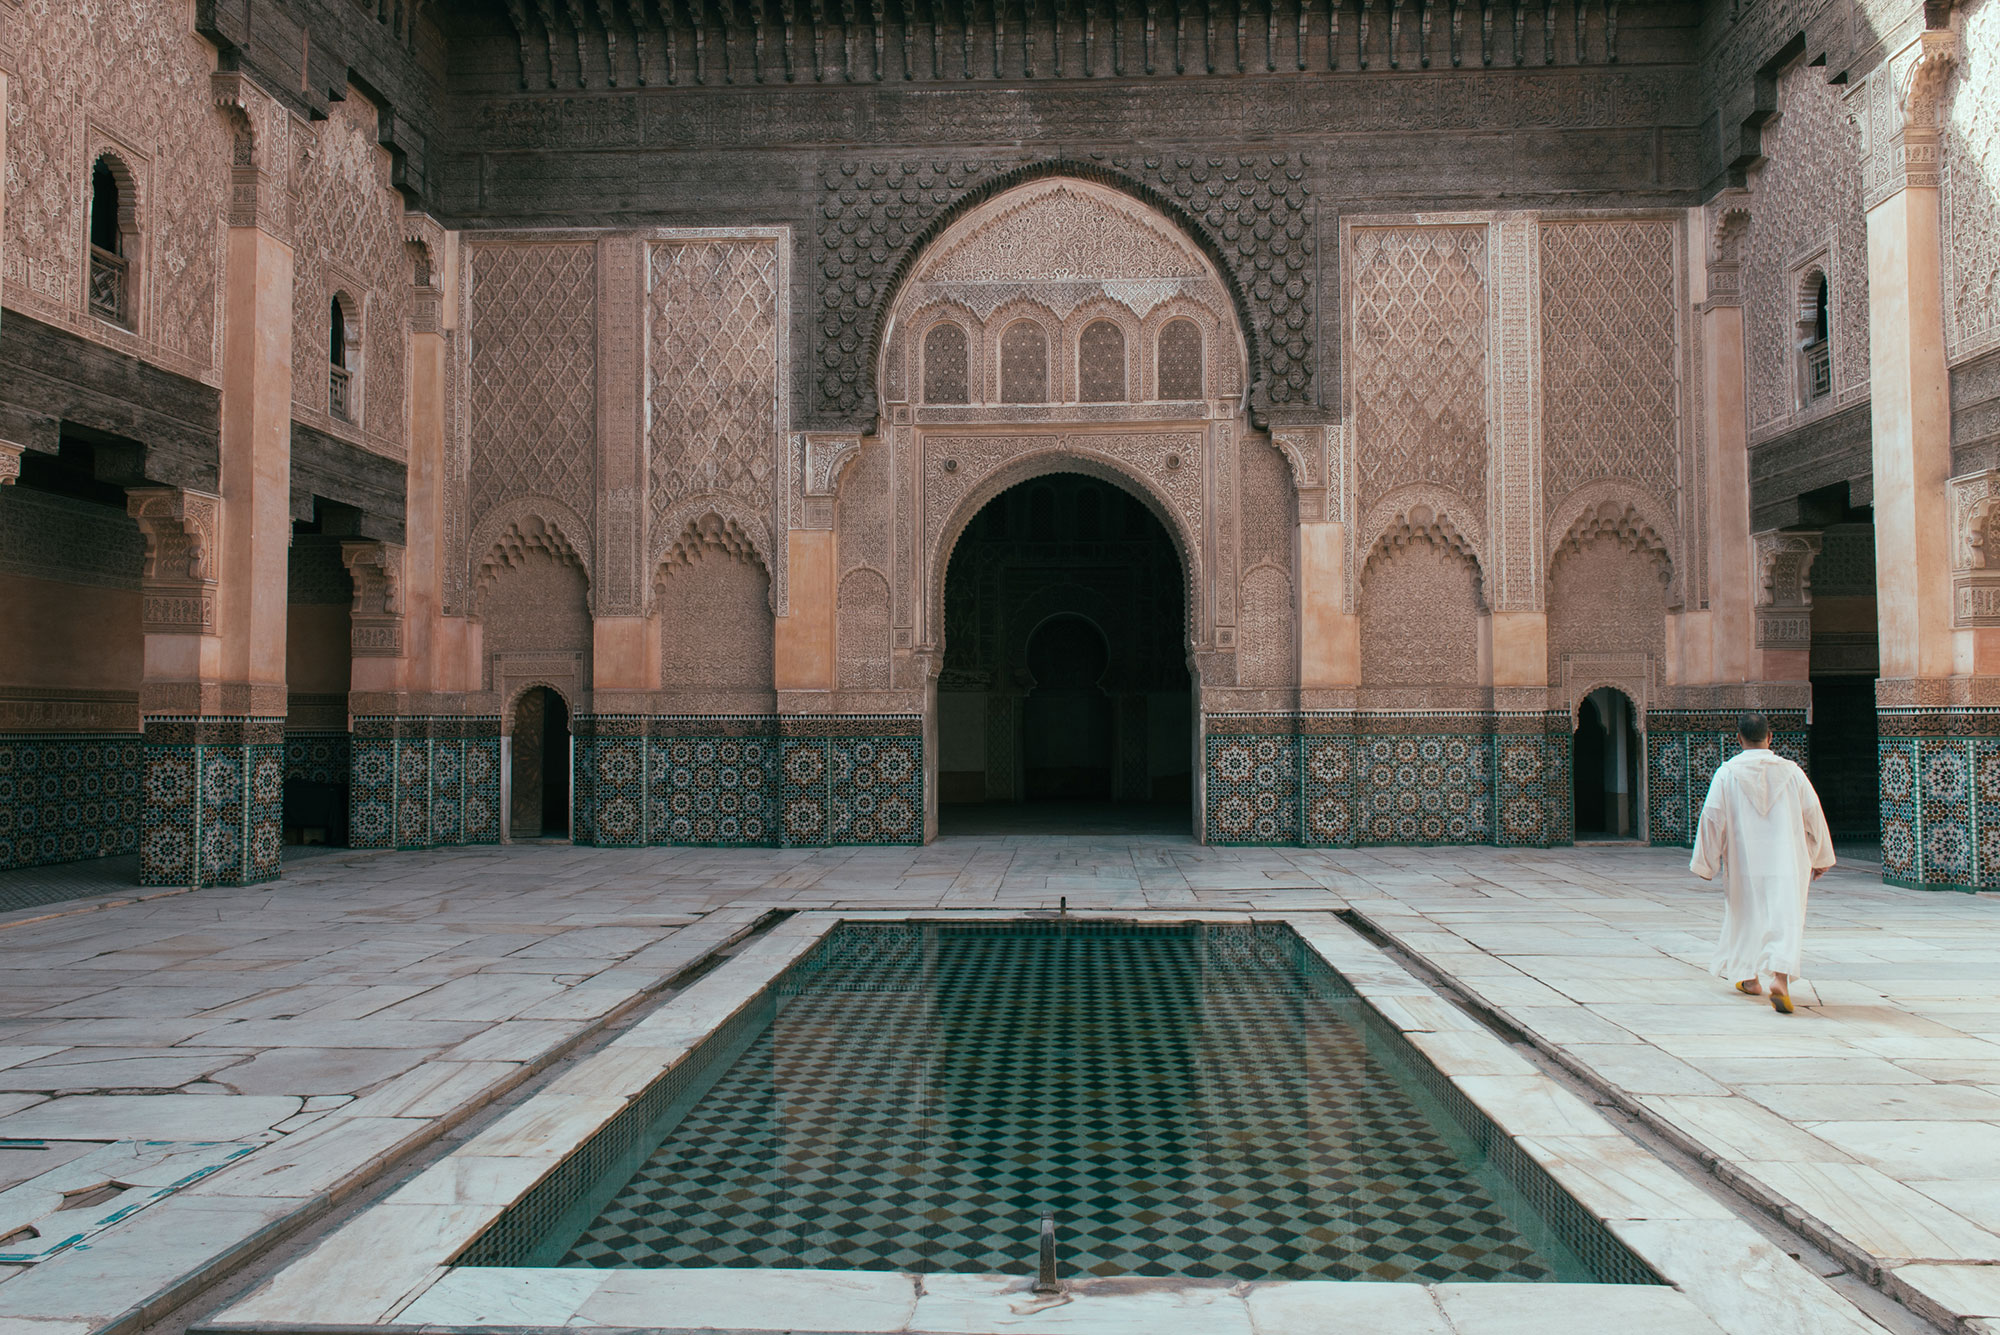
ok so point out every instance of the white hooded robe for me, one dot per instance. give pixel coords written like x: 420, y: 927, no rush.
x: 1762, y: 824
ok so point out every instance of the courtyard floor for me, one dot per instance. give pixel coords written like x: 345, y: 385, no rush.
x: 372, y: 1008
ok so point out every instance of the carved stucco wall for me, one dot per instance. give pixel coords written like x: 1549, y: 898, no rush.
x: 1805, y: 214
x: 537, y: 616
x: 716, y: 319
x: 1608, y: 617
x: 1252, y: 209
x: 1416, y: 366
x: 1613, y: 385
x: 350, y: 240
x: 531, y: 428
x: 1420, y: 609
x: 130, y: 77
x: 1970, y: 202
x: 716, y: 629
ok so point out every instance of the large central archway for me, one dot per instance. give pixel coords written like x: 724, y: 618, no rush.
x: 1064, y: 702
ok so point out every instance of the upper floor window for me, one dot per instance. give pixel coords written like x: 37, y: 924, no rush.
x: 1024, y: 363
x: 1180, y: 360
x: 1100, y: 363
x: 1815, y: 341
x: 945, y: 379
x: 343, y: 357
x: 112, y: 242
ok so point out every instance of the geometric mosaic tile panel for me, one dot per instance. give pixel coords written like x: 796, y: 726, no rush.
x: 212, y: 792
x: 1186, y: 1101
x: 757, y: 781
x: 1342, y: 780
x: 1684, y: 748
x: 64, y: 798
x: 424, y: 781
x: 1939, y: 785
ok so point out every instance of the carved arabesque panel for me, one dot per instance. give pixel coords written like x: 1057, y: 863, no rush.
x: 1611, y: 390
x: 1607, y: 595
x: 533, y: 375
x: 1806, y: 197
x: 348, y: 236
x: 1970, y: 198
x: 1416, y: 359
x: 129, y: 75
x: 1420, y: 608
x: 713, y: 369
x: 873, y: 212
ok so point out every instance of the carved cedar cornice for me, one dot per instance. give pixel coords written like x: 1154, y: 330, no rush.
x: 1784, y: 588
x: 377, y: 571
x: 183, y: 532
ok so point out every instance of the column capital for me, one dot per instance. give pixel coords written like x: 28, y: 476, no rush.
x: 1784, y: 587
x: 10, y: 462
x: 183, y: 533
x: 1728, y: 219
x: 260, y: 172
x: 377, y: 571
x: 1317, y: 458
x: 1897, y: 111
x: 1975, y: 549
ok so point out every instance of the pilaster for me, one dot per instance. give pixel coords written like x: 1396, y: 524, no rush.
x: 1935, y: 739
x: 213, y: 695
x: 1728, y: 639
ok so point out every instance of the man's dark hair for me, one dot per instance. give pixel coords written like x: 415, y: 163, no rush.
x: 1753, y: 728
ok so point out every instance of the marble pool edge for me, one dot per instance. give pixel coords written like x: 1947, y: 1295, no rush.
x: 389, y: 1267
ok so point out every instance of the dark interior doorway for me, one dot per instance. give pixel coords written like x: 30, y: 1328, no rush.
x: 1604, y: 767
x: 1067, y: 719
x: 1065, y: 693
x: 540, y: 767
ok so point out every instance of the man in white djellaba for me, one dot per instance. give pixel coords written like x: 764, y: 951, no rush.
x: 1763, y: 826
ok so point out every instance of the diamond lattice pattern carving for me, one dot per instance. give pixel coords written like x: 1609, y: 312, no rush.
x: 1419, y: 359
x: 1611, y: 386
x: 714, y: 370
x: 1806, y: 195
x: 136, y: 70
x: 350, y: 230
x: 1971, y: 203
x: 534, y: 375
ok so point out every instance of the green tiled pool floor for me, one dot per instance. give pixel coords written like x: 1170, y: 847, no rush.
x: 1185, y: 1100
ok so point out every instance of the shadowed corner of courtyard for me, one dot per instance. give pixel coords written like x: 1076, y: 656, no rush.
x: 336, y: 1027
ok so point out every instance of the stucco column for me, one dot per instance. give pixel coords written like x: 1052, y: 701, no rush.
x: 1926, y: 737
x: 1717, y: 648
x: 213, y: 693
x: 1908, y: 383
x: 805, y: 638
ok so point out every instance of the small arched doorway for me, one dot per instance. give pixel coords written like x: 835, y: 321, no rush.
x: 1065, y: 703
x: 539, y: 766
x: 1604, y: 766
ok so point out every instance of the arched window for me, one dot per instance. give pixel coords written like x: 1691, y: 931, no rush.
x: 1100, y: 363
x: 113, y: 215
x: 945, y: 379
x: 1180, y: 360
x: 1815, y: 343
x: 343, y: 359
x: 1024, y: 363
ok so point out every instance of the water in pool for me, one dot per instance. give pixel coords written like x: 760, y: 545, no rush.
x: 1196, y: 1100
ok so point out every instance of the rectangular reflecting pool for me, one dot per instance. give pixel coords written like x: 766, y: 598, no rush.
x: 1197, y: 1100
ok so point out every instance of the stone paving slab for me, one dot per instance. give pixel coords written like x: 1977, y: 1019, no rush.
x: 377, y: 997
